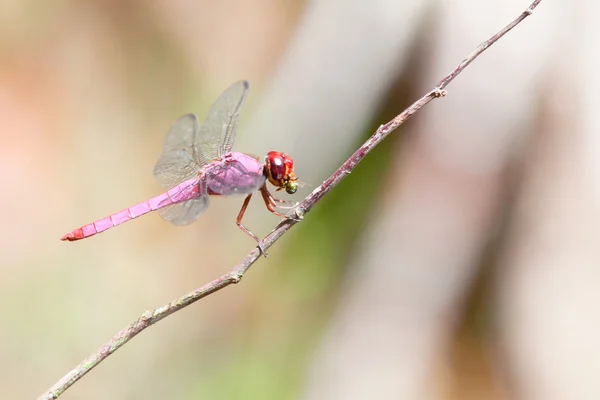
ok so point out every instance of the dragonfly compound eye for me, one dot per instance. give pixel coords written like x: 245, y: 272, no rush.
x: 279, y: 169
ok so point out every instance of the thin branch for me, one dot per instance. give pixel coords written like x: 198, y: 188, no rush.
x: 149, y: 318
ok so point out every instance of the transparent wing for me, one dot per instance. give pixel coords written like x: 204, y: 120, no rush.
x: 174, y: 167
x: 218, y: 131
x: 233, y: 179
x: 188, y: 147
x: 180, y: 159
x: 186, y: 212
x: 191, y: 200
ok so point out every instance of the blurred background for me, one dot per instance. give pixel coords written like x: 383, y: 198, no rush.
x: 460, y: 260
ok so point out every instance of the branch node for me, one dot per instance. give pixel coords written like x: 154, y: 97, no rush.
x: 295, y: 214
x: 529, y: 11
x: 299, y: 211
x: 437, y: 92
x: 381, y: 131
x: 146, y: 315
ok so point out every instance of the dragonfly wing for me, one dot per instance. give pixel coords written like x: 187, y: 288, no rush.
x: 233, y: 179
x: 181, y: 158
x: 175, y: 166
x: 217, y: 133
x: 186, y: 212
x: 188, y: 147
x: 185, y: 135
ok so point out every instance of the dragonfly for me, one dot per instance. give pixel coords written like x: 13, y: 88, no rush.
x: 197, y: 162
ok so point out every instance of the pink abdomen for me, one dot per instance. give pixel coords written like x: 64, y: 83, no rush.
x: 184, y: 191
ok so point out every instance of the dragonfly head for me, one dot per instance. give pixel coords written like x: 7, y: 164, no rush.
x: 279, y: 169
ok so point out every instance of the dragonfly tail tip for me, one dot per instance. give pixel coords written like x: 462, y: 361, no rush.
x: 71, y: 236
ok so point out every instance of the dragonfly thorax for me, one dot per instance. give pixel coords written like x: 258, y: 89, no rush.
x: 279, y: 170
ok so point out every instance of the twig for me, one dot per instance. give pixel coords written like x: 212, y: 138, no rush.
x: 149, y: 318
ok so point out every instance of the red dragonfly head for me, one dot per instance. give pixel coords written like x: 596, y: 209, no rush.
x: 279, y: 169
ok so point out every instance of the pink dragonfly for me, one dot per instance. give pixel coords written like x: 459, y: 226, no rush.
x: 197, y: 162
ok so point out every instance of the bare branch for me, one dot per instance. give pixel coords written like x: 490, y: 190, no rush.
x: 149, y: 318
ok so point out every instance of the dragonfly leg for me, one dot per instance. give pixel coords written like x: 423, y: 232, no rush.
x: 270, y: 202
x: 247, y: 231
x: 279, y: 202
x: 283, y: 201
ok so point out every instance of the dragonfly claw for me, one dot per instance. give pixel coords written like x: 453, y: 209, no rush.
x: 262, y: 250
x: 287, y: 207
x: 282, y: 201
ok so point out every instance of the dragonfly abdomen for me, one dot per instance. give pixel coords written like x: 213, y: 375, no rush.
x: 113, y: 220
x: 184, y: 191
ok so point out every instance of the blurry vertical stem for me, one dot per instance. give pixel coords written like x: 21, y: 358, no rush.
x: 149, y: 318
